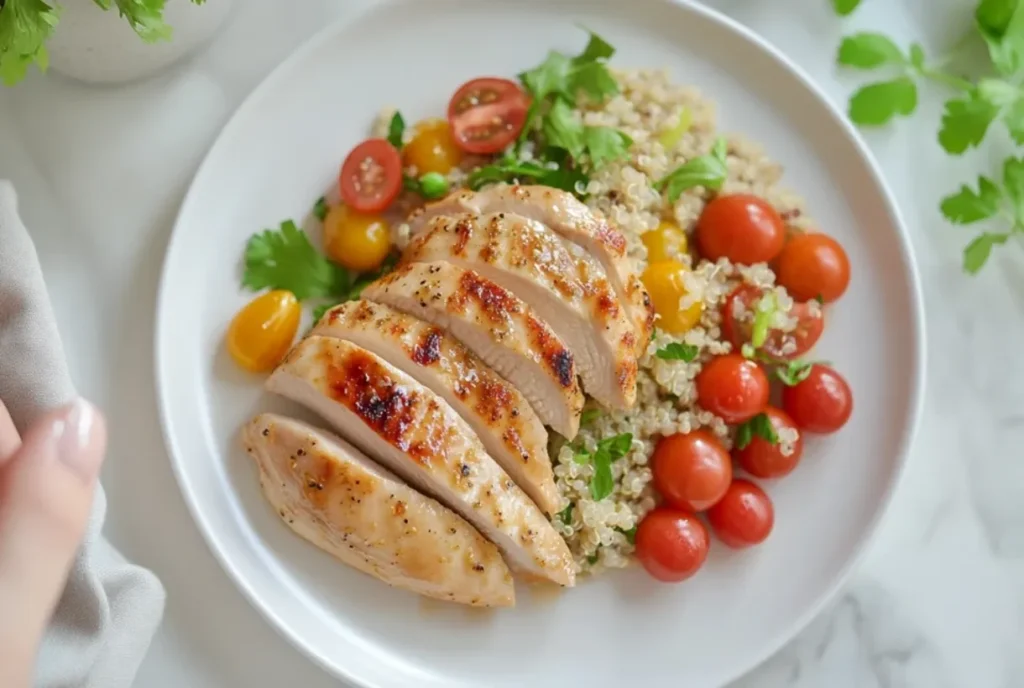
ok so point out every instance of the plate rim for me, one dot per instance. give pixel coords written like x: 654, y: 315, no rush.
x: 359, y: 8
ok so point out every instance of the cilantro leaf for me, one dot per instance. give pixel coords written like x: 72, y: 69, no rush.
x: 589, y: 415
x: 565, y: 515
x: 396, y: 129
x: 285, y: 259
x: 868, y: 51
x: 25, y: 27
x: 630, y: 534
x: 563, y: 130
x: 966, y: 206
x: 794, y: 372
x: 597, y: 49
x: 917, y: 56
x: 594, y: 79
x: 1001, y: 24
x: 877, y: 103
x: 320, y: 208
x: 1013, y: 186
x: 523, y: 171
x: 965, y: 121
x: 758, y: 426
x: 977, y: 252
x: 608, y: 451
x: 1013, y: 118
x: 677, y: 351
x: 709, y: 171
x: 844, y: 7
x: 605, y: 144
x: 550, y: 76
x: 146, y: 18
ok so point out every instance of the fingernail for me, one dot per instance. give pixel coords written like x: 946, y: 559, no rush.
x: 76, y: 441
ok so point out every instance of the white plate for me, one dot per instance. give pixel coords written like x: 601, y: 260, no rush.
x: 284, y: 146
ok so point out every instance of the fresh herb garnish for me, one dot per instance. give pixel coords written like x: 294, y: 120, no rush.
x: 565, y: 515
x: 760, y: 426
x: 630, y: 534
x: 677, y: 351
x: 845, y: 7
x: 607, y: 452
x: 589, y: 415
x: 527, y: 171
x: 396, y: 129
x: 320, y: 208
x: 285, y: 259
x: 708, y: 171
x: 792, y: 373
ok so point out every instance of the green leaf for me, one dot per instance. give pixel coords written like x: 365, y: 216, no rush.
x: 285, y: 259
x: 550, y: 76
x: 967, y: 206
x: 1001, y: 24
x: 146, y: 18
x: 25, y: 27
x: 597, y: 49
x: 319, y: 311
x: 562, y: 129
x: 605, y: 144
x: 917, y: 56
x: 580, y: 456
x: 868, y: 51
x: 589, y: 416
x: 709, y: 171
x: 677, y: 351
x: 608, y: 451
x: 526, y: 171
x: 758, y: 426
x: 630, y: 534
x: 1013, y: 185
x: 794, y: 372
x: 977, y: 252
x: 565, y: 515
x: 320, y: 208
x: 844, y: 7
x: 764, y: 315
x: 965, y: 122
x: 1013, y: 118
x: 594, y: 79
x: 876, y: 104
x: 396, y: 129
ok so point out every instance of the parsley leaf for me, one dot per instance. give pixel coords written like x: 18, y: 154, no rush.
x: 550, y: 77
x: 526, y: 171
x: 630, y: 534
x: 965, y: 121
x: 594, y: 79
x: 1013, y: 118
x: 977, y: 252
x: 709, y: 171
x: 877, y: 103
x: 25, y: 27
x: 1013, y: 184
x: 966, y: 206
x: 597, y: 49
x: 146, y: 18
x: 608, y: 451
x: 605, y: 144
x: 563, y: 130
x: 844, y: 7
x: 285, y: 259
x: 794, y: 372
x: 677, y: 351
x: 320, y: 208
x: 396, y: 129
x: 758, y: 426
x: 565, y: 515
x: 868, y: 51
x: 589, y: 415
x: 1001, y: 24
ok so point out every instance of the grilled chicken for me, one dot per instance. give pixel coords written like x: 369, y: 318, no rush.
x: 570, y: 218
x: 414, y: 433
x: 572, y: 296
x: 334, y: 497
x: 496, y: 326
x: 510, y: 430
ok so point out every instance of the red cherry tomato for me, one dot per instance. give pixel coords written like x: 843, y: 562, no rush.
x: 487, y: 114
x: 820, y: 403
x: 744, y: 516
x: 738, y: 320
x: 371, y: 176
x: 763, y: 459
x: 672, y: 545
x: 744, y: 228
x: 814, y: 266
x: 732, y: 388
x: 691, y: 471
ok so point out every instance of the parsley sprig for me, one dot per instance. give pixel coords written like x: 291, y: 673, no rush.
x: 284, y: 258
x: 709, y: 171
x: 677, y: 351
x: 758, y: 426
x: 608, y: 451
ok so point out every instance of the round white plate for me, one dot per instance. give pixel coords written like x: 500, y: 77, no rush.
x: 280, y: 151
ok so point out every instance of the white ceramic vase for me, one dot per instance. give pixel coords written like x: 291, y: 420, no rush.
x: 100, y: 47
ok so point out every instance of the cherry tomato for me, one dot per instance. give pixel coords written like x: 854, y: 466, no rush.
x: 371, y: 176
x: 738, y: 320
x: 732, y: 388
x: 664, y: 282
x: 820, y: 403
x: 432, y: 148
x: 763, y: 459
x: 691, y: 471
x: 487, y: 114
x: 261, y: 333
x: 744, y: 516
x: 356, y: 240
x: 814, y: 266
x: 666, y: 242
x: 672, y: 545
x: 744, y: 228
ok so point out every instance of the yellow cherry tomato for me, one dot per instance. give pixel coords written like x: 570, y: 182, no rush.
x: 664, y: 282
x: 432, y: 148
x: 356, y: 240
x: 262, y: 332
x: 666, y: 242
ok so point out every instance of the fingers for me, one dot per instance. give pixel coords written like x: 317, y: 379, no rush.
x: 9, y: 438
x: 46, y: 491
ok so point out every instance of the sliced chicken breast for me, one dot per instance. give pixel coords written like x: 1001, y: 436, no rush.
x: 572, y: 296
x: 507, y: 426
x: 413, y: 432
x: 333, y: 496
x: 570, y: 218
x: 496, y: 326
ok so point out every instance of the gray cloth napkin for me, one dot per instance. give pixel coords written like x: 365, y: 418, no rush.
x: 110, y: 608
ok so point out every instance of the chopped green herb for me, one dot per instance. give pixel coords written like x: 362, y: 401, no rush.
x: 608, y: 451
x: 819, y: 298
x: 868, y: 51
x: 396, y: 129
x: 589, y: 415
x: 605, y: 145
x: 565, y: 515
x: 285, y: 259
x: 433, y: 185
x: 759, y: 426
x: 764, y: 315
x: 794, y: 372
x: 630, y: 534
x: 527, y: 171
x: 709, y: 171
x: 845, y: 7
x: 320, y: 208
x: 677, y: 351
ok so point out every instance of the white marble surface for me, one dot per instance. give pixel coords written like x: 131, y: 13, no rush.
x: 939, y: 601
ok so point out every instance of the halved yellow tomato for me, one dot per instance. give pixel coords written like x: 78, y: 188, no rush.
x: 432, y: 148
x: 666, y: 242
x: 262, y: 332
x: 664, y: 282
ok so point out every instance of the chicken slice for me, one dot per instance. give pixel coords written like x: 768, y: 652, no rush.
x: 510, y: 430
x: 333, y: 496
x: 567, y: 216
x: 414, y: 433
x: 496, y: 326
x: 572, y: 296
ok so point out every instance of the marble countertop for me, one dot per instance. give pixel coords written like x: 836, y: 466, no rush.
x: 939, y: 600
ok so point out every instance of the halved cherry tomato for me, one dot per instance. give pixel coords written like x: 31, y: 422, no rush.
x: 665, y: 283
x: 672, y: 545
x: 822, y: 402
x: 356, y: 240
x: 691, y: 471
x: 487, y: 114
x: 737, y: 323
x: 262, y: 332
x: 665, y: 242
x: 744, y: 228
x: 763, y: 459
x: 432, y: 148
x: 371, y: 176
x: 744, y: 516
x: 814, y: 266
x: 732, y: 388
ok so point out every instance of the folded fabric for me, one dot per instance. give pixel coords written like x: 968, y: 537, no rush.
x: 110, y: 608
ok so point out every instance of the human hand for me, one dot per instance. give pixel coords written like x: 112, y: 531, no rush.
x: 47, y: 482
